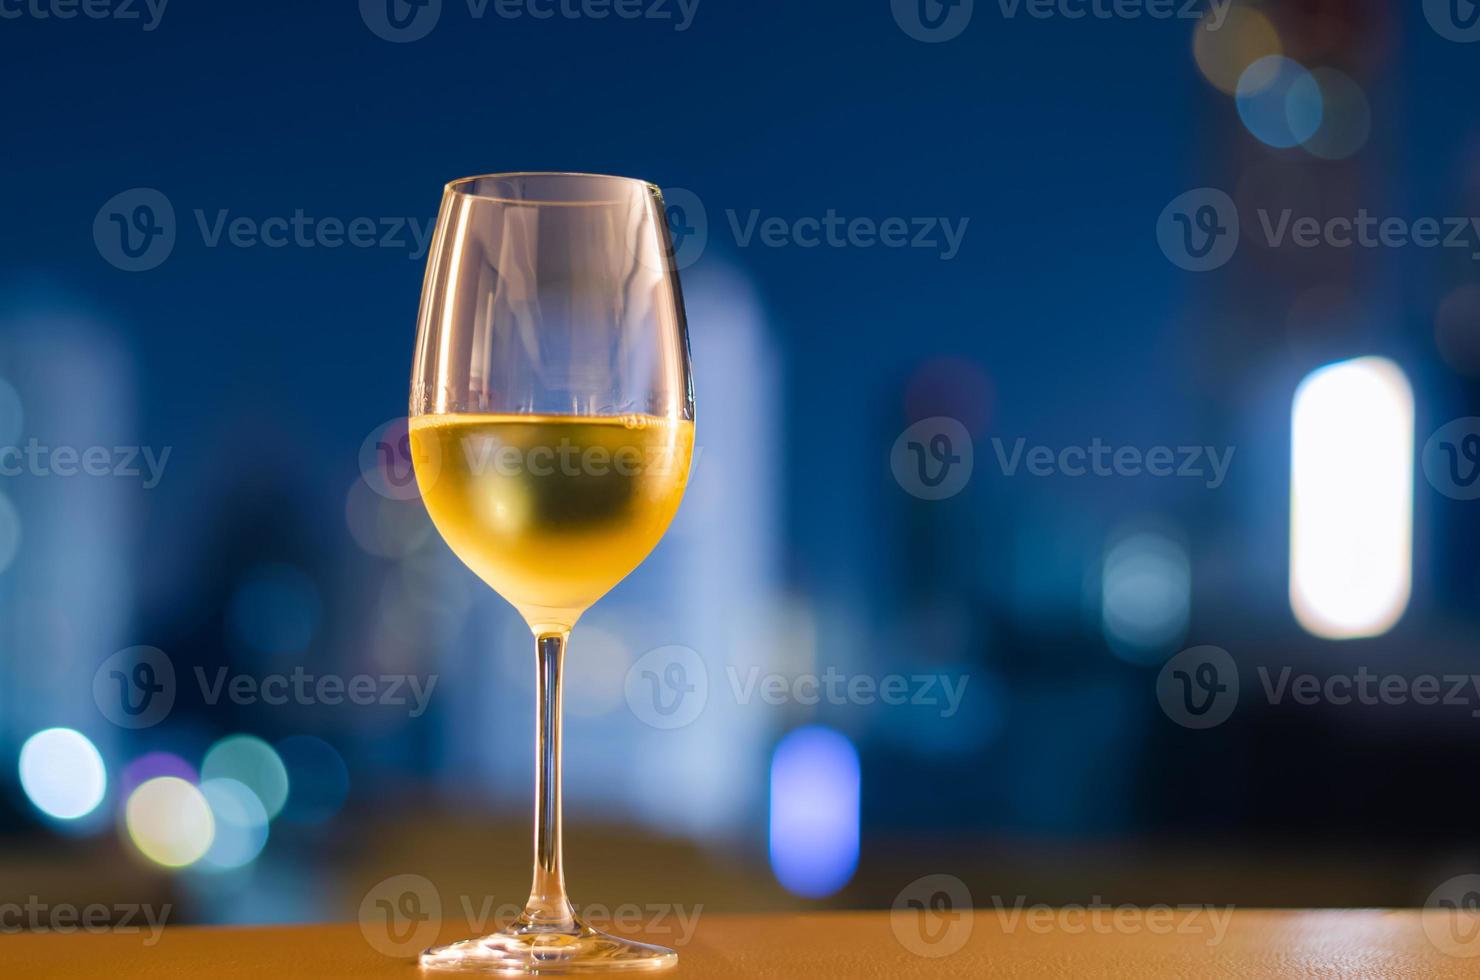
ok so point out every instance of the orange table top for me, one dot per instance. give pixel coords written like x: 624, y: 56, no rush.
x: 1032, y: 942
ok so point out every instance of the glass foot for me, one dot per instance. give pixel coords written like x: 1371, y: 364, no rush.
x: 527, y: 950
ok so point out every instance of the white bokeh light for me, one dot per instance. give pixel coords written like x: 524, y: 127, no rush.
x: 1145, y: 595
x: 170, y: 821
x: 62, y: 773
x: 1351, y: 498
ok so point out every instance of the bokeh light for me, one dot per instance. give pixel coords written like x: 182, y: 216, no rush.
x: 596, y: 687
x: 436, y: 584
x: 275, y: 610
x: 10, y: 532
x: 152, y: 765
x: 241, y: 824
x: 318, y: 776
x: 1145, y: 595
x: 952, y: 387
x: 1346, y: 117
x: 170, y: 822
x: 253, y: 763
x: 62, y: 773
x: 425, y: 597
x: 1223, y: 53
x: 1351, y: 498
x: 12, y: 417
x: 384, y: 527
x: 1279, y: 102
x: 1457, y: 329
x: 815, y: 791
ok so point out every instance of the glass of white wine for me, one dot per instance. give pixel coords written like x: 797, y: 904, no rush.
x: 552, y: 428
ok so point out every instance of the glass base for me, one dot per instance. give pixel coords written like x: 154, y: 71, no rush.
x: 529, y: 951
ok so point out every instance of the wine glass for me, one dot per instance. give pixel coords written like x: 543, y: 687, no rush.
x: 552, y: 430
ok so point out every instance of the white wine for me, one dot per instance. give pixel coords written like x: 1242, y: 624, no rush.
x: 551, y: 511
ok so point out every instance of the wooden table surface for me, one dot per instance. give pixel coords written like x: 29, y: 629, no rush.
x: 988, y: 943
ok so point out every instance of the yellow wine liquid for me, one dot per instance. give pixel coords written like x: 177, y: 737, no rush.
x: 551, y: 511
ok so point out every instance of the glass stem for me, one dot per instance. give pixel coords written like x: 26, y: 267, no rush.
x: 548, y: 908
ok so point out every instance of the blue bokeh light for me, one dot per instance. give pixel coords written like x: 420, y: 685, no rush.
x: 275, y: 610
x: 815, y: 785
x: 1279, y: 102
x: 319, y: 778
x: 241, y: 824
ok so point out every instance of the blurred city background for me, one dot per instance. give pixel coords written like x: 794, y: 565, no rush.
x: 1019, y: 369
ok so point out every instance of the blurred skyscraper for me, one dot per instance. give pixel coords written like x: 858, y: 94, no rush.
x: 66, y: 536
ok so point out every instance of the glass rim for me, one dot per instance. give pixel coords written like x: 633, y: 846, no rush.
x: 466, y: 186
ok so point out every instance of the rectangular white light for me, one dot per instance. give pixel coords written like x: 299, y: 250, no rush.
x: 1351, y: 498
